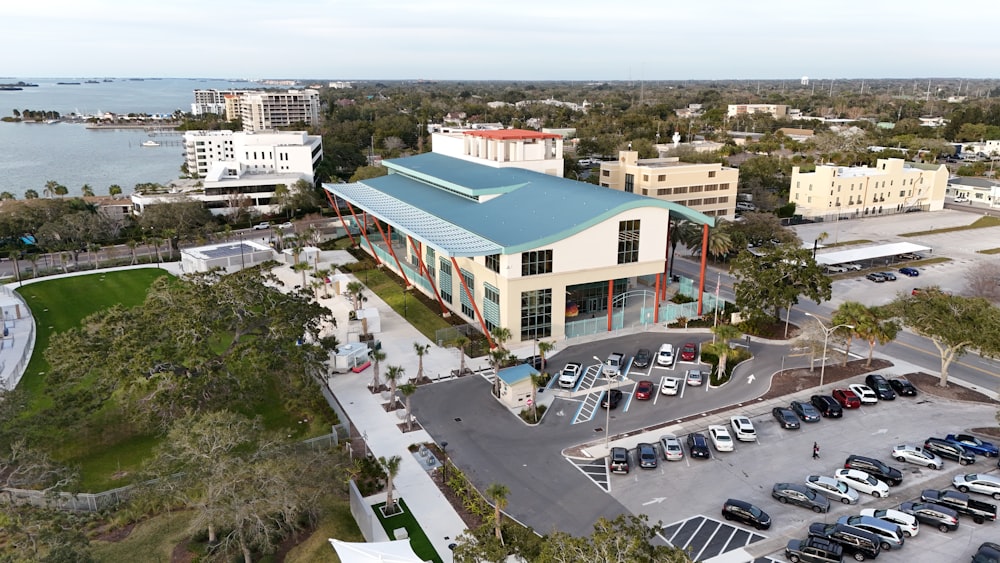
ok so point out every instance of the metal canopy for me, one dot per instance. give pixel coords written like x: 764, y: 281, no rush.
x: 869, y: 253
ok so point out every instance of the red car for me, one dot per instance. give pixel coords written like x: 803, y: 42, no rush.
x: 644, y: 390
x: 847, y: 398
x: 688, y: 352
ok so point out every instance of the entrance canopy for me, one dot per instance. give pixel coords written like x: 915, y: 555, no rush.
x: 869, y: 253
x: 385, y: 552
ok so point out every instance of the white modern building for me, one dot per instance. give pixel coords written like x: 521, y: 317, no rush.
x: 233, y: 170
x: 504, y: 148
x: 211, y: 101
x: 261, y: 111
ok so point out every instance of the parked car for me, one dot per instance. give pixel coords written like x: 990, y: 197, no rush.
x: 961, y: 199
x: 862, y: 482
x: 805, y: 411
x: 846, y: 398
x: 698, y: 445
x: 569, y: 375
x: 670, y: 386
x: 852, y: 266
x: 786, y: 418
x: 889, y: 276
x: 618, y: 460
x: 978, y: 483
x: 814, y: 550
x: 695, y: 377
x: 689, y: 352
x: 910, y: 256
x: 665, y: 355
x: 611, y: 399
x: 286, y: 226
x: 859, y: 543
x: 875, y: 277
x: 974, y: 444
x: 647, y: 455
x: 671, y: 448
x: 743, y: 429
x: 917, y: 455
x: 880, y: 386
x: 949, y: 450
x: 988, y: 552
x: 262, y: 226
x: 875, y: 468
x: 721, y: 439
x: 644, y: 390
x: 613, y: 365
x: 832, y: 489
x: 961, y: 503
x: 865, y: 393
x: 827, y: 406
x: 890, y: 535
x: 907, y: 522
x: 642, y: 358
x: 903, y: 387
x: 942, y: 518
x: 800, y: 495
x: 908, y: 271
x: 834, y: 269
x: 747, y: 513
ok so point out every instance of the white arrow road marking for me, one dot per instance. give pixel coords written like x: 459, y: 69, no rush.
x: 750, y: 378
x: 656, y: 500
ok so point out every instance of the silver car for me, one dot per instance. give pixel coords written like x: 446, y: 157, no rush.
x: 832, y: 489
x: 917, y: 455
x: 978, y: 483
x: 794, y: 493
x: 671, y: 448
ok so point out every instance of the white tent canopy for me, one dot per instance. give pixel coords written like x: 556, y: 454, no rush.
x: 386, y: 552
x: 870, y: 253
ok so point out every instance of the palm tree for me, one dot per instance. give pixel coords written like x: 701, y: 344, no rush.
x: 50, y: 188
x: 408, y: 389
x: 376, y: 356
x: 392, y: 375
x: 855, y: 314
x: 498, y: 493
x: 391, y: 467
x: 421, y: 350
x: 87, y: 191
x: 544, y: 348
x: 355, y: 288
x: 882, y: 330
x: 497, y: 356
x: 323, y: 274
x: 30, y: 194
x: 131, y: 246
x: 724, y: 333
x: 6, y: 195
x: 301, y: 267
x: 461, y: 342
x: 501, y: 335
x: 537, y: 380
x: 720, y: 242
x: 114, y: 189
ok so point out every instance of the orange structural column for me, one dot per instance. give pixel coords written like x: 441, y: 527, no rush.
x: 392, y: 253
x: 666, y: 262
x: 471, y: 298
x: 364, y: 233
x: 701, y: 273
x: 611, y: 288
x: 419, y: 251
x: 656, y: 299
x: 341, y: 217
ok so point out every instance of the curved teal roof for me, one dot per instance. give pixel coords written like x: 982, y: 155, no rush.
x: 468, y: 209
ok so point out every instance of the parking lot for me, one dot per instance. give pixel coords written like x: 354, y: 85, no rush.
x: 675, y: 492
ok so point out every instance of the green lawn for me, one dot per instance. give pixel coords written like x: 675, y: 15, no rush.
x: 981, y: 223
x: 418, y: 539
x: 427, y: 321
x: 989, y: 251
x: 846, y: 243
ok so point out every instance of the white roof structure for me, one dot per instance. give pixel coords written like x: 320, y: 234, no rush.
x: 385, y: 552
x: 869, y: 253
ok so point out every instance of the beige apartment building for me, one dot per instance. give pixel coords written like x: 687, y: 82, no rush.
x: 891, y: 186
x: 706, y: 188
x: 775, y: 110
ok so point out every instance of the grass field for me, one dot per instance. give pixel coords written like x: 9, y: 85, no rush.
x: 981, y: 223
x: 418, y: 539
x: 426, y: 320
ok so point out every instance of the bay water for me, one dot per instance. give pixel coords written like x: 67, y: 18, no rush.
x: 31, y: 154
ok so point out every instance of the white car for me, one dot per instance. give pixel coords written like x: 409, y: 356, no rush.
x: 720, y: 437
x: 670, y: 386
x: 671, y: 448
x: 832, y: 489
x: 261, y: 226
x: 569, y: 375
x: 743, y: 429
x: 916, y: 455
x: 863, y: 482
x: 834, y: 269
x: 961, y: 199
x: 906, y: 522
x: 852, y: 266
x: 665, y: 356
x: 695, y: 377
x: 865, y: 393
x: 287, y: 226
x: 978, y: 483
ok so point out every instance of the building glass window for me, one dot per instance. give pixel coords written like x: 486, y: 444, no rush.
x: 711, y: 173
x: 663, y: 191
x: 629, y: 183
x: 661, y: 178
x: 605, y: 173
x: 430, y: 258
x: 628, y: 241
x: 493, y: 262
x: 536, y: 262
x: 470, y: 283
x: 536, y: 314
x: 695, y: 189
x: 444, y: 281
x: 491, y: 306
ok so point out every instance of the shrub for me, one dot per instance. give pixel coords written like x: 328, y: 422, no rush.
x: 526, y: 414
x: 681, y: 299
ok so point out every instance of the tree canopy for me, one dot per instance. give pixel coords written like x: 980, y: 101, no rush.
x: 774, y: 279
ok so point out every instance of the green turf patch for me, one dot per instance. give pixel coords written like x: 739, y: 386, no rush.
x: 846, y: 243
x: 981, y: 223
x: 418, y: 539
x: 989, y: 251
x: 427, y: 321
x: 929, y: 261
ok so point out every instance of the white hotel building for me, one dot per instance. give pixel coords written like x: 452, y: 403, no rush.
x: 260, y: 110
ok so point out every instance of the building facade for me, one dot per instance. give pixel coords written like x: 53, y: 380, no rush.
x: 504, y: 148
x: 509, y: 247
x: 776, y: 111
x: 211, y: 101
x: 891, y: 186
x: 707, y: 188
x: 975, y: 190
x: 264, y: 110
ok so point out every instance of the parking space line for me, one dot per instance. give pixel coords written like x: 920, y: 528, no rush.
x: 659, y: 389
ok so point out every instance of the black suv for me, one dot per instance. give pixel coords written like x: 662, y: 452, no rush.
x: 642, y: 358
x: 903, y: 387
x: 698, y: 445
x: 988, y: 552
x: 619, y: 460
x: 747, y: 513
x: 881, y: 387
x: 949, y: 450
x: 860, y: 543
x: 827, y: 406
x: 814, y: 550
x: 875, y: 468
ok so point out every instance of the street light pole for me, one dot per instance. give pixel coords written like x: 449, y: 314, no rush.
x: 607, y: 411
x: 826, y: 338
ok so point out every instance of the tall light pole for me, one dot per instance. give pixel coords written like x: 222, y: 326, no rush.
x: 607, y: 411
x: 826, y: 338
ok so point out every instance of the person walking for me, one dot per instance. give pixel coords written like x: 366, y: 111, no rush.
x: 815, y: 450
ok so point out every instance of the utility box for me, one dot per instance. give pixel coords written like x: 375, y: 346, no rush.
x: 350, y: 356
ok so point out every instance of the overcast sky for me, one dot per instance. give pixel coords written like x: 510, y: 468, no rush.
x: 504, y: 39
